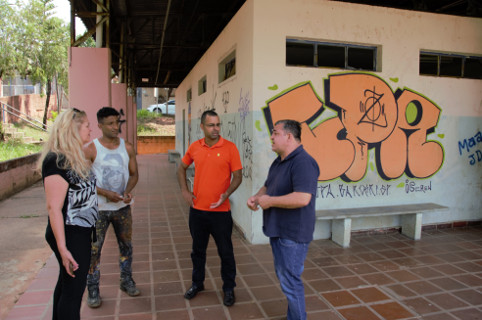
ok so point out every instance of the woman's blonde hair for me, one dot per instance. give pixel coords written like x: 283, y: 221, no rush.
x: 65, y: 141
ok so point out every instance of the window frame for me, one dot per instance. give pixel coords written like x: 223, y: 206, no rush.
x: 376, y: 49
x: 202, y: 85
x: 227, y: 67
x: 439, y: 55
x: 189, y: 95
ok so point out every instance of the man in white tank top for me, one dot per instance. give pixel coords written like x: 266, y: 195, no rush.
x: 115, y: 166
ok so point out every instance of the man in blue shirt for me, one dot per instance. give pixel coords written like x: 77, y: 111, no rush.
x: 288, y: 202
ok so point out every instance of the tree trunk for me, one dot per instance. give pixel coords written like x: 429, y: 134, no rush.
x: 59, y: 95
x: 47, y: 101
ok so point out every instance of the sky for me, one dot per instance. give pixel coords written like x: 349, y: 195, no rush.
x: 62, y: 10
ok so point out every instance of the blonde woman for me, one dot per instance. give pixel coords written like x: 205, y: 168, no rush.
x: 70, y: 190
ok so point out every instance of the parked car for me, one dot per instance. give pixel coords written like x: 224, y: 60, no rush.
x: 161, y: 108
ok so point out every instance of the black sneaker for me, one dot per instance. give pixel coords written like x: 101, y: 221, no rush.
x: 93, y: 297
x: 192, y: 292
x: 229, y: 298
x: 129, y: 286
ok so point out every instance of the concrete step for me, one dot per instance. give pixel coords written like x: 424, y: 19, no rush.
x: 9, y: 130
x: 37, y: 142
x: 15, y: 135
x: 27, y: 139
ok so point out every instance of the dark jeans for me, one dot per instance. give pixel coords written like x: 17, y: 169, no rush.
x: 220, y: 226
x: 122, y: 222
x: 68, y: 291
x: 289, y: 259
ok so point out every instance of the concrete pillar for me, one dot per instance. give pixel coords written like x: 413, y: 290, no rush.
x: 89, y: 82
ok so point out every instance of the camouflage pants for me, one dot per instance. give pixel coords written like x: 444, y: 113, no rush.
x: 122, y: 222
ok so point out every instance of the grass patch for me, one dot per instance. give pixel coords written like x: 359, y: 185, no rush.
x: 145, y: 115
x: 37, y: 134
x: 15, y: 148
x: 154, y: 124
x: 145, y: 130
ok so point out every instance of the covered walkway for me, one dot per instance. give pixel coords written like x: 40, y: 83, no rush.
x: 382, y: 276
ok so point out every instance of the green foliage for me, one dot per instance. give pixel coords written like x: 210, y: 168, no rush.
x: 54, y: 115
x: 145, y: 130
x: 14, y: 148
x: 47, y: 40
x: 89, y: 43
x: 10, y: 45
x: 30, y: 131
x: 33, y: 42
x: 145, y: 115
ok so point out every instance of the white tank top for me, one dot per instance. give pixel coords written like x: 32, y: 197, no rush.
x: 111, y: 168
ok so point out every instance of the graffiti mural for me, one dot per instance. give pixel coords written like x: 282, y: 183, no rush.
x: 468, y: 145
x: 189, y: 114
x: 353, y: 191
x: 237, y: 133
x: 225, y: 101
x: 412, y: 186
x: 369, y: 116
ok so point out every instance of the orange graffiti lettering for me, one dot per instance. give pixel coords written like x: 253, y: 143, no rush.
x: 370, y: 116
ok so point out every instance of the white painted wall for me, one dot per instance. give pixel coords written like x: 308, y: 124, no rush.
x: 259, y: 32
x: 232, y: 100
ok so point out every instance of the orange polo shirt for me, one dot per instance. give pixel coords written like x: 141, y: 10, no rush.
x: 214, y: 166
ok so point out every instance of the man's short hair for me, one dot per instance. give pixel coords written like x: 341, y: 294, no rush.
x: 210, y: 113
x: 291, y: 126
x: 106, y: 112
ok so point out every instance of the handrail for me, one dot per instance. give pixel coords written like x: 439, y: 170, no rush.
x: 29, y: 119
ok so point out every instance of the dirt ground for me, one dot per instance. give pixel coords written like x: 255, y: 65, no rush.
x: 163, y: 126
x: 23, y: 252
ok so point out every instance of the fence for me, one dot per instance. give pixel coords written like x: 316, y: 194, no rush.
x: 19, y: 89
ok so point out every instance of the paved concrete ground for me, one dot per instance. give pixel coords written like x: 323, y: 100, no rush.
x: 380, y: 277
x: 23, y: 252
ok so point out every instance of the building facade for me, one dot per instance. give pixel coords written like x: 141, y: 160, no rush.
x: 390, y: 102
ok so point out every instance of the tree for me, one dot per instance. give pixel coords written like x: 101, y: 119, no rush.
x: 88, y: 43
x: 9, y: 53
x: 46, y: 40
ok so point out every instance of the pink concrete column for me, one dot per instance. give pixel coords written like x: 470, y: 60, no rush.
x: 90, y: 82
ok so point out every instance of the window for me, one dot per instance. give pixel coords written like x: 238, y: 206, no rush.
x: 331, y: 55
x: 201, y: 86
x: 300, y: 54
x: 450, y: 65
x: 189, y: 95
x: 227, y: 67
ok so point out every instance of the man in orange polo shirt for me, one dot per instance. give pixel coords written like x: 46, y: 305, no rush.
x: 215, y: 159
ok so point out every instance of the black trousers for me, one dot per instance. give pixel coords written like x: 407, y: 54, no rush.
x: 68, y: 291
x: 220, y: 226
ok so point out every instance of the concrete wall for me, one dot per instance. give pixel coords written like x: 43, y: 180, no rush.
x: 32, y: 105
x: 91, y: 88
x: 90, y: 82
x: 147, y: 97
x: 18, y: 174
x: 132, y: 121
x: 119, y: 102
x: 395, y: 162
x: 155, y: 144
x: 231, y: 99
